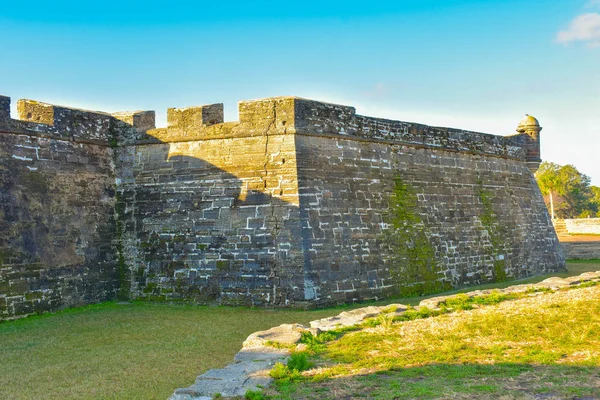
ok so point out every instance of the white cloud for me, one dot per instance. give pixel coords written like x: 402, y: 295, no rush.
x: 584, y: 28
x: 593, y: 3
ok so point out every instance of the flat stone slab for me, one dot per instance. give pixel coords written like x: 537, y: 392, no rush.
x: 354, y: 317
x: 260, y: 354
x: 249, y: 371
x: 285, y: 334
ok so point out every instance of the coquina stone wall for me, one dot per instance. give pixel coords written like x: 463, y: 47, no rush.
x: 400, y: 208
x: 299, y: 203
x: 57, y: 219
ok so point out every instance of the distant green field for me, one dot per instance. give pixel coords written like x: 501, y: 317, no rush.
x: 138, y: 350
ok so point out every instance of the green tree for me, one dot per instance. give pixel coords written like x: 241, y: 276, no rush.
x: 567, y: 192
x: 596, y: 199
x: 547, y: 179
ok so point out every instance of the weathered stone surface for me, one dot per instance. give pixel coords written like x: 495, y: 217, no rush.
x: 4, y: 109
x: 213, y: 221
x: 480, y: 218
x: 57, y: 224
x: 354, y: 317
x: 234, y: 380
x: 300, y: 203
x: 249, y: 371
x: 285, y: 334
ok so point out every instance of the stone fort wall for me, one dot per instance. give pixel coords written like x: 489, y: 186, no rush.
x: 57, y: 210
x: 299, y: 203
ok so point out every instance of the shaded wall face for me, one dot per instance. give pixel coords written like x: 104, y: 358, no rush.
x: 384, y: 219
x: 213, y: 221
x: 57, y: 224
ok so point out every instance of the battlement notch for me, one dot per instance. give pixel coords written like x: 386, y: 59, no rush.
x: 190, y: 118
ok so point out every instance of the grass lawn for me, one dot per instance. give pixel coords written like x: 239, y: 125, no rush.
x: 145, y: 351
x: 538, y: 346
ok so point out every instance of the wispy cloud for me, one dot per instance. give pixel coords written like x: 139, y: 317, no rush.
x: 593, y: 4
x: 379, y: 91
x: 584, y: 28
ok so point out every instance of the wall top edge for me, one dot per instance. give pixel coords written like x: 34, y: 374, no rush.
x: 257, y: 117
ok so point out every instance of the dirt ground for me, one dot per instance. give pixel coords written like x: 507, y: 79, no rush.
x: 579, y: 238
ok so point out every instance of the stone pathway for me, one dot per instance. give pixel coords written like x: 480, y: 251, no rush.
x: 250, y: 367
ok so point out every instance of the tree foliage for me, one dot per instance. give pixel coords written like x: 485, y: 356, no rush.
x: 568, y: 190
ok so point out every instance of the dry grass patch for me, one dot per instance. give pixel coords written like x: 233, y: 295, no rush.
x: 544, y: 329
x: 547, y: 343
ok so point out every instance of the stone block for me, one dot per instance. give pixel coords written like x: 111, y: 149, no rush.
x: 193, y: 118
x: 76, y: 123
x: 4, y: 109
x: 141, y: 120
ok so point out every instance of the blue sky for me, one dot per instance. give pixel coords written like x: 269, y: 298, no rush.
x: 477, y: 65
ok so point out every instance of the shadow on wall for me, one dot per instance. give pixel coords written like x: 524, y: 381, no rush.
x: 57, y: 220
x: 289, y: 206
x: 192, y: 231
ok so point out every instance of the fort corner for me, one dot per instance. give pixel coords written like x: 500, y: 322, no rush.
x: 299, y: 203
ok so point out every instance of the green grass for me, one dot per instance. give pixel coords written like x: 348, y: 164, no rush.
x: 136, y: 351
x: 546, y: 344
x: 140, y: 350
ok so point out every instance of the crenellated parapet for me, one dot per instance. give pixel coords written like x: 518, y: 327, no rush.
x: 48, y: 120
x: 293, y: 115
x: 271, y: 116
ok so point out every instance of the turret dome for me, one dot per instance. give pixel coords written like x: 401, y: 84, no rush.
x: 528, y: 122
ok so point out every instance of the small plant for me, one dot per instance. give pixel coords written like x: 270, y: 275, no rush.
x: 254, y: 395
x: 387, y: 320
x: 423, y: 312
x: 459, y: 302
x: 588, y: 284
x: 316, y: 344
x: 279, y: 345
x: 299, y: 362
x: 308, y: 338
x: 282, y: 373
x: 538, y: 290
x: 313, y: 343
x: 279, y: 371
x: 383, y: 320
x: 494, y: 298
x: 328, y: 336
